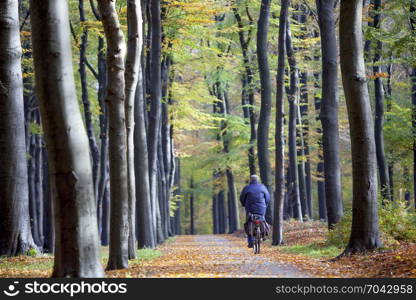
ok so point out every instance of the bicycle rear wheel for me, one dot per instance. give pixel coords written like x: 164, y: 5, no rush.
x: 258, y: 240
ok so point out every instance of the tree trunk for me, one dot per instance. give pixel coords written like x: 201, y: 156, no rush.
x: 155, y: 107
x: 266, y: 102
x: 413, y: 83
x: 247, y: 94
x: 320, y: 164
x: 379, y: 112
x: 364, y: 231
x: 33, y: 196
x: 301, y: 154
x: 329, y: 112
x: 293, y: 97
x: 232, y: 201
x: 15, y: 234
x: 280, y: 140
x: 177, y: 192
x: 38, y: 182
x: 389, y: 106
x: 145, y: 226
x: 133, y: 61
x: 77, y: 252
x: 115, y: 99
x: 103, y: 176
x: 304, y: 109
x: 105, y: 232
x: 191, y: 207
x: 95, y: 154
x: 48, y: 230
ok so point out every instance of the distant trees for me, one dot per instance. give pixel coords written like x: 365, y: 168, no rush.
x: 77, y: 251
x: 15, y: 233
x: 364, y: 231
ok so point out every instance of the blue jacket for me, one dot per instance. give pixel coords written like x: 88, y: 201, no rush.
x: 255, y: 198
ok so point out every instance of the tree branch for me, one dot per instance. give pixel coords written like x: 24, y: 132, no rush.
x: 95, y: 11
x: 25, y: 19
x: 91, y: 68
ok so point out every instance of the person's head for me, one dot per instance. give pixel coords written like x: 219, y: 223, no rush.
x: 254, y: 178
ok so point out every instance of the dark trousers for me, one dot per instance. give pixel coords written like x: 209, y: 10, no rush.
x: 250, y: 238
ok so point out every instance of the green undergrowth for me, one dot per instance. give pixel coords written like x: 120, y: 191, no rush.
x: 315, y: 250
x: 28, y: 263
x: 141, y: 255
x: 396, y: 225
x: 147, y: 254
x: 43, y: 262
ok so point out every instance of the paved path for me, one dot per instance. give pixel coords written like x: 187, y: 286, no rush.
x: 212, y: 256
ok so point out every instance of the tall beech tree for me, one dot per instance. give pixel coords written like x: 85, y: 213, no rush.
x: 83, y: 45
x: 280, y: 141
x: 266, y: 101
x: 145, y: 224
x: 133, y: 60
x: 155, y: 87
x: 329, y: 111
x: 293, y: 98
x: 364, y: 230
x: 247, y: 94
x: 383, y: 170
x: 15, y: 232
x: 77, y: 252
x: 115, y: 99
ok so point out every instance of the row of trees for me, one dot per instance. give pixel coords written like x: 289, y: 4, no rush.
x: 71, y: 183
x: 200, y: 75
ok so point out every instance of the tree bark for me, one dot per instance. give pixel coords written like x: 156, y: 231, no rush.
x: 115, y: 99
x: 280, y: 139
x: 329, y: 112
x: 15, y: 233
x: 266, y: 102
x: 364, y: 230
x: 77, y: 252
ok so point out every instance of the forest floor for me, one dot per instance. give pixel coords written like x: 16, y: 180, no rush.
x: 305, y: 254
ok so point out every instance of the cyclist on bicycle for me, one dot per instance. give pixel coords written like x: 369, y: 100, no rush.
x: 255, y: 198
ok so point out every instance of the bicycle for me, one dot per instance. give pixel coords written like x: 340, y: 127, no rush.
x: 257, y: 232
